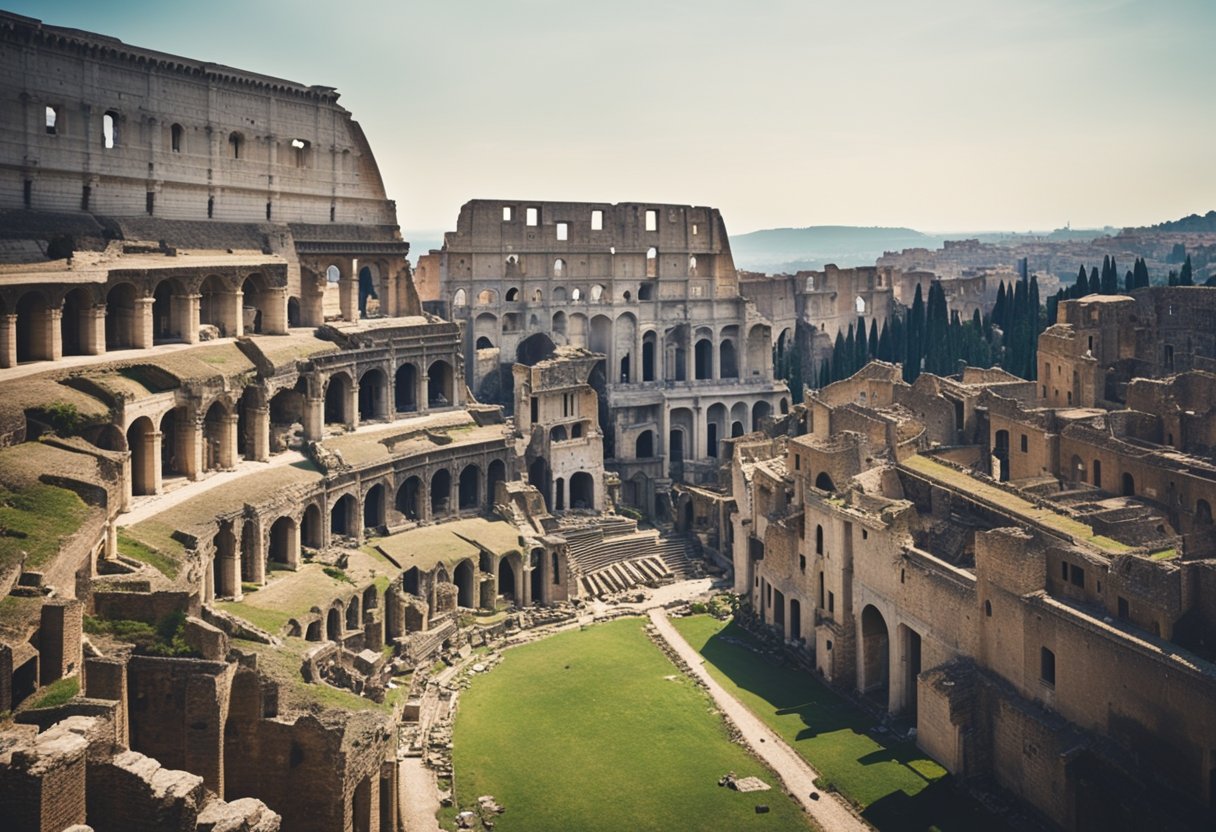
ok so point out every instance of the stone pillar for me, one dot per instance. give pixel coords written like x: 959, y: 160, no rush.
x: 314, y: 418
x: 8, y: 340
x: 111, y: 550
x: 236, y: 313
x: 424, y: 386
x: 715, y: 371
x: 192, y: 441
x: 227, y: 449
x: 60, y: 650
x: 690, y: 356
x: 664, y: 436
x: 698, y: 433
x: 152, y: 460
x: 260, y: 441
x: 52, y: 346
x: 523, y: 594
x: 188, y: 316
x: 274, y: 316
x: 93, y: 330
x: 352, y: 406
x: 348, y: 297
x: 256, y: 551
x: 106, y: 678
x: 141, y: 323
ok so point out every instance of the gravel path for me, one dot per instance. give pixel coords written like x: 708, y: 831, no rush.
x: 419, y: 796
x: 830, y: 811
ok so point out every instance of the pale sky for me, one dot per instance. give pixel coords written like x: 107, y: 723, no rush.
x: 940, y: 115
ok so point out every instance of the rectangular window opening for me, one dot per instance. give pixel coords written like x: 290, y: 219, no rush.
x: 85, y: 193
x: 150, y: 202
x: 652, y: 220
x: 597, y: 219
x: 1078, y: 577
x: 533, y: 217
x: 508, y: 213
x: 695, y: 230
x: 563, y: 230
x: 1025, y: 443
x: 1047, y: 667
x: 52, y: 121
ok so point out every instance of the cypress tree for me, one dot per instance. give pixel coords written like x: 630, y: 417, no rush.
x: 1110, y: 279
x: 998, y: 311
x: 1172, y: 280
x: 1185, y: 278
x: 1081, y: 287
x: 885, y: 353
x: 1095, y: 282
x: 899, y: 342
x: 850, y: 353
x: 937, y: 332
x: 1129, y: 281
x: 861, y: 346
x: 1141, y: 273
x: 872, y: 347
x: 915, y: 328
x: 825, y: 373
x: 1036, y: 326
x: 838, y: 358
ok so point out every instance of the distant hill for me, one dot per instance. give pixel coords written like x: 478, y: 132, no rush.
x: 791, y: 249
x: 1192, y: 224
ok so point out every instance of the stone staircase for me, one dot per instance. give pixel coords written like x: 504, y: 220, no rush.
x: 623, y: 575
x: 613, y: 556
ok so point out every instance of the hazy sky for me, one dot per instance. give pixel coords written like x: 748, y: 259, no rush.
x: 942, y: 115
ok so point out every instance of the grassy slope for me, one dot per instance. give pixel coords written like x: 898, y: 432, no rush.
x: 896, y: 784
x: 35, y: 520
x: 582, y: 731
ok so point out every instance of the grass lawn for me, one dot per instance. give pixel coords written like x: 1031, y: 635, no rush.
x: 35, y: 520
x: 582, y: 730
x: 898, y: 787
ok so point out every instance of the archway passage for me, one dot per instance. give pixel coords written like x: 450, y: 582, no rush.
x: 120, y: 317
x: 911, y: 663
x: 311, y: 532
x: 74, y: 324
x: 284, y: 542
x: 470, y: 487
x: 463, y: 578
x: 703, y: 359
x: 824, y: 482
x: 876, y: 654
x: 372, y: 387
x: 582, y: 490
x: 538, y: 578
x: 224, y: 566
x: 1129, y: 485
x: 333, y: 625
x: 337, y: 397
x: 141, y: 439
x: 440, y: 386
x: 795, y: 621
x: 341, y: 517
x: 373, y: 507
x: 441, y: 492
x: 644, y: 446
x: 760, y: 412
x: 408, y: 498
x: 496, y: 473
x: 405, y: 389
x: 1000, y: 452
x: 506, y: 579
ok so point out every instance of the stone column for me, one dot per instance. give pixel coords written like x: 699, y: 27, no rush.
x: 152, y: 459
x: 228, y: 443
x: 698, y: 432
x: 8, y: 340
x: 188, y: 315
x: 192, y: 440
x: 524, y: 593
x: 236, y: 313
x: 141, y: 324
x: 660, y: 446
x: 260, y: 441
x: 257, y: 553
x: 314, y: 418
x: 690, y: 356
x: 52, y: 346
x: 93, y: 336
x: 715, y: 371
x: 348, y: 297
x: 352, y: 406
x: 274, y: 316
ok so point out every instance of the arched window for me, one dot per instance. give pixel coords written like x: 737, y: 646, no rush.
x: 333, y: 274
x: 576, y: 294
x: 597, y: 293
x: 460, y: 298
x: 652, y: 262
x: 819, y: 540
x: 692, y: 265
x: 109, y: 129
x: 559, y: 267
x: 175, y: 138
x: 537, y: 296
x: 860, y: 305
x: 512, y: 295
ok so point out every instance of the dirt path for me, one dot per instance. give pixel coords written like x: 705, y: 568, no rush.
x: 829, y: 811
x: 419, y: 796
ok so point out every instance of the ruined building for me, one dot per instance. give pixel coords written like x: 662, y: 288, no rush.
x: 1026, y: 581
x: 652, y: 288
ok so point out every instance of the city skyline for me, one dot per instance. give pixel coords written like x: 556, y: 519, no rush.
x: 784, y: 115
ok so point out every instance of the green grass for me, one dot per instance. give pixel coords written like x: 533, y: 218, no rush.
x: 57, y: 693
x: 895, y: 784
x: 140, y: 551
x: 583, y: 731
x: 272, y: 621
x: 35, y: 520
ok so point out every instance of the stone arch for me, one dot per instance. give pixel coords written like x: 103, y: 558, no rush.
x: 487, y: 297
x: 373, y: 394
x: 142, y: 441
x: 1203, y: 513
x: 485, y: 325
x: 875, y: 653
x: 625, y: 329
x: 255, y: 304
x: 703, y: 356
x: 577, y: 336
x: 559, y: 323
x: 295, y: 315
x: 582, y: 490
x: 76, y: 321
x: 409, y: 498
x: 252, y: 569
x: 675, y: 342
x: 337, y: 399
x: 175, y: 447
x: 333, y: 624
x: 495, y: 473
x: 1076, y: 469
x: 643, y: 447
x: 597, y: 294
x: 373, y: 507
x: 441, y: 385
x: 559, y: 294
x: 601, y: 335
x: 1000, y: 453
x: 352, y: 613
x: 405, y: 388
x: 508, y: 581
x: 284, y: 542
x: 224, y: 563
x: 464, y: 578
x: 313, y: 631
x: 649, y: 349
x: 312, y: 530
x: 715, y: 427
x: 441, y: 492
x: 760, y: 411
x: 824, y: 482
x: 170, y: 312
x: 121, y: 323
x: 216, y: 305
x: 728, y: 354
x: 513, y: 292
x: 460, y: 299
x: 342, y: 516
x: 219, y: 450
x: 470, y: 487
x: 34, y: 333
x: 759, y: 350
x: 1129, y: 484
x: 285, y: 411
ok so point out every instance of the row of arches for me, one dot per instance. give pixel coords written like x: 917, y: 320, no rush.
x: 1079, y: 473
x: 562, y: 493
x: 42, y: 325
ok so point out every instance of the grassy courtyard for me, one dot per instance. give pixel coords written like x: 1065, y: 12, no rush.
x: 596, y: 730
x: 897, y: 786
